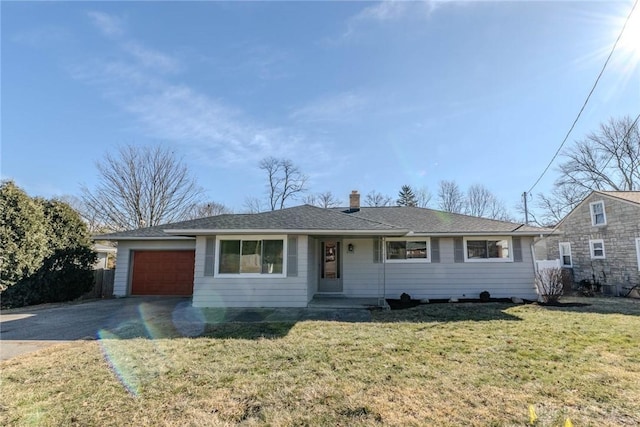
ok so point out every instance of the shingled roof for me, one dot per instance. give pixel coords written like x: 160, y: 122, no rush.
x: 308, y: 219
x: 629, y: 196
x: 423, y: 220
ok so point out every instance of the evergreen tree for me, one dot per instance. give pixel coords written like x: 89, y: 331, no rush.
x: 23, y: 237
x: 46, y: 250
x: 406, y: 197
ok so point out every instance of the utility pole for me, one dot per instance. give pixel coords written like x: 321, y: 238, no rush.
x: 526, y: 211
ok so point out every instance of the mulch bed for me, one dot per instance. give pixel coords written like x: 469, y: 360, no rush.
x: 564, y: 304
x: 397, y: 304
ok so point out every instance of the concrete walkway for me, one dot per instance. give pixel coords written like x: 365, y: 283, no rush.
x: 29, y: 329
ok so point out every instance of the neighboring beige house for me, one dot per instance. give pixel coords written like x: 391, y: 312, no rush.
x: 599, y: 240
x: 285, y: 258
x: 105, y: 256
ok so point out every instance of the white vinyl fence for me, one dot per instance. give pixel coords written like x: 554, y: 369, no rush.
x: 543, y: 265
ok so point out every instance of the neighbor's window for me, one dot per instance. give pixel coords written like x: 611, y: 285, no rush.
x: 251, y: 256
x: 598, y: 216
x: 408, y: 250
x: 488, y: 249
x: 597, y: 249
x: 565, y: 254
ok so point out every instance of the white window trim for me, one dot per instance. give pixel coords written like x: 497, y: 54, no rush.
x: 410, y: 260
x: 466, y: 252
x: 638, y: 251
x: 593, y: 217
x: 591, y: 249
x: 219, y: 239
x: 570, y: 254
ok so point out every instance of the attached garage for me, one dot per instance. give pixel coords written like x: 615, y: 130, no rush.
x: 163, y: 272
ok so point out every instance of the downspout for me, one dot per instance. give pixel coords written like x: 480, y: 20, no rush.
x: 383, y: 301
x: 535, y: 269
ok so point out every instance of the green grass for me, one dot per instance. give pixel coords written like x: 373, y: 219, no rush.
x: 445, y: 364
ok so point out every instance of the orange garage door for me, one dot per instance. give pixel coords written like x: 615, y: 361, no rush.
x: 162, y: 273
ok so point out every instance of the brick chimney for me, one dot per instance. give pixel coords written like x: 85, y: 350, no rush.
x: 354, y: 201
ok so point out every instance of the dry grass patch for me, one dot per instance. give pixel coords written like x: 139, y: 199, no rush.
x: 463, y: 364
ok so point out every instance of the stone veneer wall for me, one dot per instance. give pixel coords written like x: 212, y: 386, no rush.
x: 620, y: 267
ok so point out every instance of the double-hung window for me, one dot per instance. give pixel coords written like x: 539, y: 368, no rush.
x: 412, y: 250
x: 598, y: 215
x: 250, y: 256
x: 596, y: 248
x: 565, y: 254
x: 483, y: 249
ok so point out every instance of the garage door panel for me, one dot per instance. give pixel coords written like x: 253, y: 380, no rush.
x: 162, y: 273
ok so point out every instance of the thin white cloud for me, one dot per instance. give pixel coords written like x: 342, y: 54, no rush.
x: 109, y: 25
x: 263, y: 61
x: 151, y: 58
x: 339, y: 108
x: 386, y: 12
x: 142, y: 82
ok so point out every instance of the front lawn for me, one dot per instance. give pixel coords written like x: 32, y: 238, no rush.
x: 441, y: 364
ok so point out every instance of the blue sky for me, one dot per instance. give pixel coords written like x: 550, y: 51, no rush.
x: 360, y: 95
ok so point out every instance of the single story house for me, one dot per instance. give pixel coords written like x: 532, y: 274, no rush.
x: 599, y: 240
x: 286, y: 257
x: 105, y: 255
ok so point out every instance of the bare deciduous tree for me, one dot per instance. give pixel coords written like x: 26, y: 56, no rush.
x: 140, y: 187
x: 481, y: 202
x: 94, y: 226
x: 252, y: 205
x: 607, y: 159
x: 423, y: 197
x: 450, y: 198
x: 323, y: 200
x: 478, y: 200
x: 499, y: 211
x: 557, y: 204
x: 375, y: 199
x: 284, y: 181
x: 201, y: 210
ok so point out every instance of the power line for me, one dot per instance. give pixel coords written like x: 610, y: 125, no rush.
x: 626, y: 135
x: 587, y: 99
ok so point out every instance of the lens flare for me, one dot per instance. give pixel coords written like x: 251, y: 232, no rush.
x: 138, y: 365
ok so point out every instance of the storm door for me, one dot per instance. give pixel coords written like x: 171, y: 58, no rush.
x: 330, y: 267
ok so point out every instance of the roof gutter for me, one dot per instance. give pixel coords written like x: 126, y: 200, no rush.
x: 484, y: 233
x: 210, y: 232
x: 167, y: 237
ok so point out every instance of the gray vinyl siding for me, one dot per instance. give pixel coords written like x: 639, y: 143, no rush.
x: 435, y: 249
x: 210, y: 257
x: 292, y: 256
x: 312, y: 267
x: 260, y: 291
x: 122, y: 277
x: 446, y: 279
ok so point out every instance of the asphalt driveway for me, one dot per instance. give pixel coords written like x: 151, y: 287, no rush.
x: 31, y: 328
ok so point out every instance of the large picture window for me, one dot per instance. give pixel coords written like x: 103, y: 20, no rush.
x: 408, y: 250
x: 488, y: 249
x: 251, y: 256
